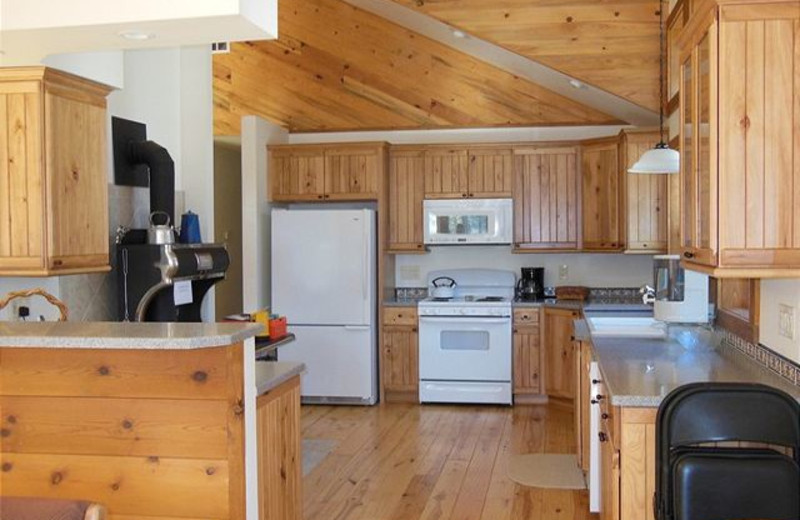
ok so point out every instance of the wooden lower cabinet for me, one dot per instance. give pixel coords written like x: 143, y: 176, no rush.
x: 400, y: 355
x: 559, y: 354
x: 609, y: 480
x: 279, y: 458
x: 527, y: 353
x: 637, y: 473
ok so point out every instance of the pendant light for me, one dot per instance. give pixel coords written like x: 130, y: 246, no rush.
x: 662, y: 158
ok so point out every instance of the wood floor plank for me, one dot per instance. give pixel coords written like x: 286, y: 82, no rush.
x: 435, y: 462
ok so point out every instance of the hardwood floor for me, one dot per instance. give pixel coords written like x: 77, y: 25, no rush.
x: 409, y: 462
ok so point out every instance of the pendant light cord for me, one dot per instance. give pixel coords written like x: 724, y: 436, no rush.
x: 661, y: 89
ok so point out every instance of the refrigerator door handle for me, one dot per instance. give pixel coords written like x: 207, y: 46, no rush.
x: 357, y: 327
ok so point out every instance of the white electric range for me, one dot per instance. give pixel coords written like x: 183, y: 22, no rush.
x: 465, y: 342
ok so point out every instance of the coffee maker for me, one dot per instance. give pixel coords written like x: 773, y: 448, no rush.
x: 530, y: 286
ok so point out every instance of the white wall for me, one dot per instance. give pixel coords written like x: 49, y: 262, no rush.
x: 256, y: 134
x: 592, y: 270
x: 773, y: 294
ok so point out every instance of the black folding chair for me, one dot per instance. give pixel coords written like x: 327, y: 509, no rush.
x: 696, y: 480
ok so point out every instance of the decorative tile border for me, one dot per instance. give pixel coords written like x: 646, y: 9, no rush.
x: 785, y: 368
x: 411, y: 293
x: 619, y: 293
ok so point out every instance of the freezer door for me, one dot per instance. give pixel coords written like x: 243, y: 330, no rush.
x: 340, y: 362
x: 323, y: 266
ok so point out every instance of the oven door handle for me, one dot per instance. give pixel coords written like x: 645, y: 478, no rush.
x: 466, y: 320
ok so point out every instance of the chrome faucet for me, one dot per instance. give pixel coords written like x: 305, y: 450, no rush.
x: 648, y: 294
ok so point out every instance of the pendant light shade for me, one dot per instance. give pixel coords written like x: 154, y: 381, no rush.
x: 661, y: 159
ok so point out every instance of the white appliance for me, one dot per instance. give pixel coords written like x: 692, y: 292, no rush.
x: 324, y: 282
x: 465, y: 341
x: 470, y: 221
x: 681, y: 295
x: 595, y: 429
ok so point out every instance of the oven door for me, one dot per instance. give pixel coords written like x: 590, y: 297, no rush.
x: 464, y: 349
x: 479, y: 221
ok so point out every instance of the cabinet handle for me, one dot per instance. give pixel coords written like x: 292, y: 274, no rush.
x: 599, y: 397
x: 464, y: 195
x: 319, y: 196
x: 688, y: 254
x: 413, y: 329
x: 594, y: 401
x: 419, y: 246
x: 516, y: 330
x: 471, y: 194
x: 572, y: 338
x: 327, y: 196
x: 603, y: 437
x: 595, y: 381
x: 604, y: 416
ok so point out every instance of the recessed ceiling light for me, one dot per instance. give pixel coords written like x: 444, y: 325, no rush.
x: 574, y: 83
x: 459, y: 34
x: 136, y: 35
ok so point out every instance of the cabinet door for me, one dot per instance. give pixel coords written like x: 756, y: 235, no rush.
x: 491, y: 173
x: 646, y: 198
x: 546, y: 198
x: 527, y: 360
x: 559, y: 353
x: 351, y: 173
x: 21, y: 180
x: 699, y: 193
x: 446, y: 173
x: 400, y: 359
x: 406, y: 193
x: 297, y: 175
x: 609, y: 481
x: 76, y: 173
x: 601, y: 197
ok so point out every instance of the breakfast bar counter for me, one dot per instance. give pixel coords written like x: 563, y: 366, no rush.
x: 167, y: 420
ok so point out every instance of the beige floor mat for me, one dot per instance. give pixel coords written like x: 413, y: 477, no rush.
x: 546, y: 470
x: 314, y: 451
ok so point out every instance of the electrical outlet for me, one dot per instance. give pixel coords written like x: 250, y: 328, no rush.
x: 786, y: 321
x: 563, y: 272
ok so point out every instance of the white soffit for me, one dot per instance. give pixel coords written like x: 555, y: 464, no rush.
x: 32, y: 29
x: 509, y: 61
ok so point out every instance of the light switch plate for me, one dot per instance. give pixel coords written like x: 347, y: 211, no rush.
x: 786, y: 321
x: 563, y: 272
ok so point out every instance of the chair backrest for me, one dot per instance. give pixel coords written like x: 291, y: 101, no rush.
x: 700, y: 413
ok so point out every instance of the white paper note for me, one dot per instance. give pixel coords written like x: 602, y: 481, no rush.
x: 183, y: 292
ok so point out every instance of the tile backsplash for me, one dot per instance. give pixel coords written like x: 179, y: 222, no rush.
x: 764, y: 356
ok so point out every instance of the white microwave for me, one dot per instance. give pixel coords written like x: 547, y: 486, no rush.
x: 471, y: 221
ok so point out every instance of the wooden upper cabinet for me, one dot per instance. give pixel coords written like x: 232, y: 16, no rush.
x: 491, y: 173
x: 645, y: 197
x: 546, y: 198
x: 602, y: 222
x: 740, y: 148
x: 297, y: 174
x: 341, y: 172
x: 446, y: 174
x: 53, y: 173
x: 406, y: 193
x: 352, y: 173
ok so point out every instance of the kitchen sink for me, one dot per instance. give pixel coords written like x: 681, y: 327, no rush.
x: 627, y: 327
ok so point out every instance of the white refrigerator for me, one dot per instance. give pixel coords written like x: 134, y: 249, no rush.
x: 324, y: 281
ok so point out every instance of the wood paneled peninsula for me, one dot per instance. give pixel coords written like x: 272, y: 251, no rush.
x: 150, y: 419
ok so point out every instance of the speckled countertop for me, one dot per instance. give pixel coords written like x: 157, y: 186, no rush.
x: 270, y: 374
x: 112, y: 335
x: 589, y: 305
x: 400, y: 302
x: 640, y: 372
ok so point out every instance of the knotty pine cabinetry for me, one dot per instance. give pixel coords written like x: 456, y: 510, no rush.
x: 645, y: 197
x: 527, y: 353
x: 602, y: 208
x: 406, y: 193
x: 400, y: 354
x: 475, y: 172
x: 314, y: 173
x: 559, y: 352
x: 53, y: 173
x: 546, y: 198
x: 739, y: 139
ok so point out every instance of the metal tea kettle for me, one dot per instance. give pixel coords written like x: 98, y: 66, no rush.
x: 160, y: 234
x: 443, y: 287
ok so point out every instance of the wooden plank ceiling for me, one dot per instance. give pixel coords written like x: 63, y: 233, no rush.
x: 610, y: 44
x: 336, y: 67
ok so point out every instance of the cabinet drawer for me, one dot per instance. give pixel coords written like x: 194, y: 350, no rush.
x: 526, y: 316
x: 400, y: 316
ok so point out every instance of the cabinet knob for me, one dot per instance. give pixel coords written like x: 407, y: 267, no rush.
x: 603, y: 437
x: 599, y: 397
x: 464, y: 195
x: 688, y: 254
x: 413, y: 329
x: 516, y: 330
x: 572, y: 338
x: 327, y: 196
x: 604, y: 416
x: 595, y: 381
x: 471, y: 194
x: 319, y: 196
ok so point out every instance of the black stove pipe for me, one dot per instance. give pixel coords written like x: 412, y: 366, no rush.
x: 162, y: 174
